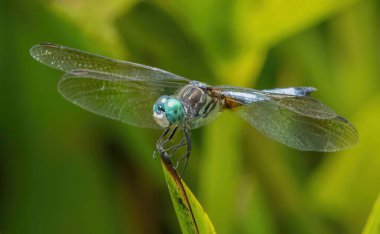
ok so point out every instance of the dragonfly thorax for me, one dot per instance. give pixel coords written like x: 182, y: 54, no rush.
x: 168, y: 110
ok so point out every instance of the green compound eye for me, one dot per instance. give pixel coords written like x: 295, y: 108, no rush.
x: 174, y: 111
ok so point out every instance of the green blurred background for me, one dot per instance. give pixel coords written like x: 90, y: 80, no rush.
x: 65, y: 170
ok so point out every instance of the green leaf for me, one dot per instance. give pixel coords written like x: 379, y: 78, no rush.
x: 191, y: 216
x: 373, y: 222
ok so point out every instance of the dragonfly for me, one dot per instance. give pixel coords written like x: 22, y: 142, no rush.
x: 149, y: 97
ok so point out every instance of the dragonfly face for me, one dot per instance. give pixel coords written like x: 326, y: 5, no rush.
x: 168, y: 111
x: 126, y: 91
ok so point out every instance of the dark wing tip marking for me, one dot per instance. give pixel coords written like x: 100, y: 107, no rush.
x: 342, y: 119
x: 48, y: 44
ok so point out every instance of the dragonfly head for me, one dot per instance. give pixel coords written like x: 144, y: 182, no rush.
x: 168, y: 110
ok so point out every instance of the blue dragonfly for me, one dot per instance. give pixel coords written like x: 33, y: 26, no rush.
x: 149, y: 97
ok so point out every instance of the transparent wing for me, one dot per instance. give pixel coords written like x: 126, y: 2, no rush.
x: 68, y: 59
x: 113, y: 96
x: 300, y: 122
x: 116, y: 89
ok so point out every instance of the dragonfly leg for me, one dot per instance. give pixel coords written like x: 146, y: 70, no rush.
x: 168, y: 152
x: 159, y: 142
x: 174, y: 148
x: 187, y: 154
x: 162, y: 137
x: 163, y: 140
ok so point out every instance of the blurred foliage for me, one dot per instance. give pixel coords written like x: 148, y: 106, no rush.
x: 64, y: 170
x: 373, y: 224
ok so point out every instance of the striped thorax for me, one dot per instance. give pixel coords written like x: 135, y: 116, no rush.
x: 200, y: 104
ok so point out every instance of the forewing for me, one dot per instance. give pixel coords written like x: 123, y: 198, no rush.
x: 303, y: 132
x: 68, y: 59
x: 113, y: 96
x: 116, y: 89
